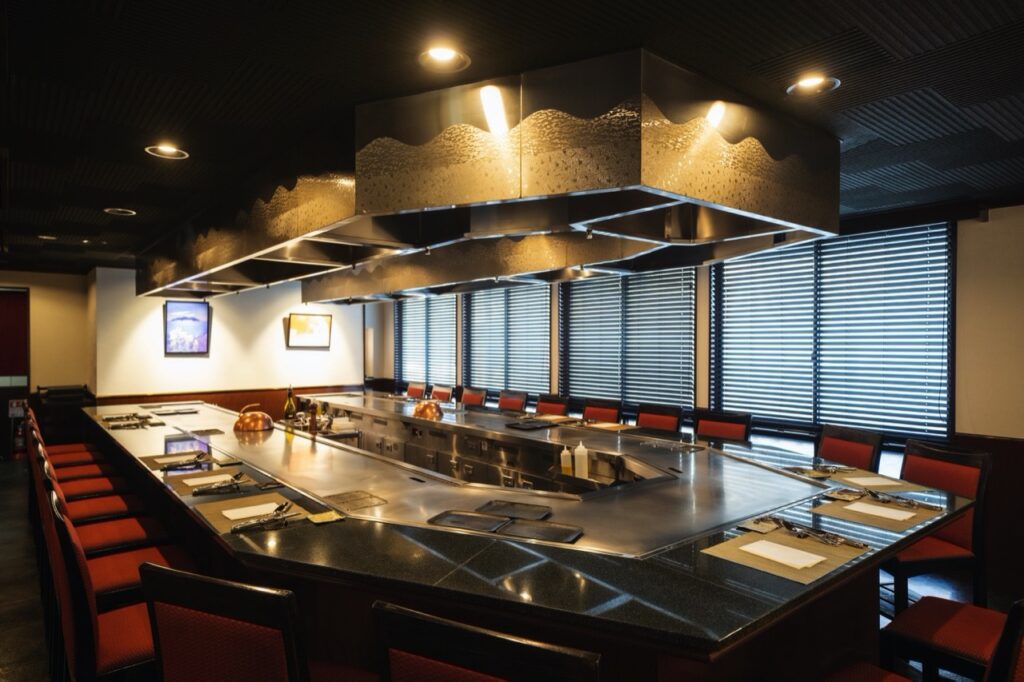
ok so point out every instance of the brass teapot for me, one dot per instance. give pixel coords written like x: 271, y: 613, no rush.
x: 253, y: 421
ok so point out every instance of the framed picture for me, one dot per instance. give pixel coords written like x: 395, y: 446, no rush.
x: 309, y: 331
x: 186, y: 328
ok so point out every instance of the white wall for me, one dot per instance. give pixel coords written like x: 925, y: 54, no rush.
x: 58, y: 352
x: 247, y: 343
x: 990, y: 325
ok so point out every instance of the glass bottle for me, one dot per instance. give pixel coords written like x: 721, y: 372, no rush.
x: 289, y: 405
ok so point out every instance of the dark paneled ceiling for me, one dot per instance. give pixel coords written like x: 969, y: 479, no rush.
x: 931, y: 109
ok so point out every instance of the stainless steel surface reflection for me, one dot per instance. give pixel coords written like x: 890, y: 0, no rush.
x: 705, y: 492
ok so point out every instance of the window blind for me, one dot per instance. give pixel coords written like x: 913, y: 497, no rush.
x: 766, y: 330
x: 631, y: 337
x: 884, y: 331
x: 850, y: 330
x: 508, y: 338
x: 425, y: 330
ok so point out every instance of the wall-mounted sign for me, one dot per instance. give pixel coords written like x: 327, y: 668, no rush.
x: 309, y: 331
x: 186, y: 328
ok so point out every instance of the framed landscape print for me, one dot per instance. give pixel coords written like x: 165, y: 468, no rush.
x: 309, y: 331
x: 186, y: 328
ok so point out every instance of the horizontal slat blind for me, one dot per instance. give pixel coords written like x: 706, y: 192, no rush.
x: 849, y: 330
x: 411, y: 317
x: 486, y: 343
x: 426, y: 329
x: 441, y: 331
x: 632, y: 337
x: 529, y: 338
x: 659, y: 337
x: 767, y: 334
x: 594, y: 329
x: 884, y: 331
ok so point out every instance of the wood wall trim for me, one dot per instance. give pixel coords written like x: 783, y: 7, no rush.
x: 271, y: 400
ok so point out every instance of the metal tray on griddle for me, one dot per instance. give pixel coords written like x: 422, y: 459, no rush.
x: 541, y: 530
x: 516, y: 510
x: 530, y: 424
x: 469, y: 520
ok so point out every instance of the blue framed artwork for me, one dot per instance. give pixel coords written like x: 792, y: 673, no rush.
x: 186, y: 328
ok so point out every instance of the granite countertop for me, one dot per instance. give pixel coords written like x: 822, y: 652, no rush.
x: 675, y: 597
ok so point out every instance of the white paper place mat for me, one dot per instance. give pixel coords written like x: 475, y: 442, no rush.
x: 869, y: 479
x: 889, y: 517
x: 896, y: 514
x: 206, y: 480
x: 239, y: 513
x: 733, y: 550
x: 215, y: 512
x: 789, y: 556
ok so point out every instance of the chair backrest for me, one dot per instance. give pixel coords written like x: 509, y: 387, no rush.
x: 957, y: 471
x: 416, y: 646
x: 661, y: 417
x: 513, y: 401
x: 75, y: 595
x: 852, y: 447
x: 602, y: 410
x: 548, y: 403
x: 474, y: 396
x: 719, y: 425
x: 442, y: 393
x: 206, y: 628
x: 1007, y: 664
x: 416, y: 390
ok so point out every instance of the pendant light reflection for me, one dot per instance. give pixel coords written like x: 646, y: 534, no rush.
x: 494, y: 109
x: 715, y: 113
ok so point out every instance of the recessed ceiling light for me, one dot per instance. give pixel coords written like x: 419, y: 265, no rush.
x: 85, y: 241
x: 48, y: 237
x: 813, y: 84
x: 167, y: 151
x: 122, y: 212
x: 444, y: 59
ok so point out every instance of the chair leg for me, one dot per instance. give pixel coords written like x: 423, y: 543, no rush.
x: 929, y: 671
x: 980, y: 587
x: 900, y: 587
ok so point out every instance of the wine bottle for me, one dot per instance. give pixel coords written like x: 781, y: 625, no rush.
x: 289, y: 405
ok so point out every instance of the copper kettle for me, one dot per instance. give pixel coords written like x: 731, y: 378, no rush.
x: 253, y: 421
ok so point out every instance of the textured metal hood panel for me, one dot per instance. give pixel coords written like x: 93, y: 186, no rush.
x: 629, y: 120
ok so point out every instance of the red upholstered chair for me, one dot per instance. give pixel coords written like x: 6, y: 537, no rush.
x: 512, y: 401
x: 98, y: 644
x: 596, y: 409
x: 67, y: 455
x: 1007, y: 663
x: 210, y: 629
x: 660, y: 417
x: 718, y: 425
x: 442, y: 393
x: 548, y: 403
x: 850, y: 447
x: 474, y: 396
x: 414, y: 646
x: 958, y: 545
x: 948, y: 635
x: 416, y: 390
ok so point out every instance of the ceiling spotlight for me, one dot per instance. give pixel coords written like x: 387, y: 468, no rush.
x: 48, y: 237
x: 122, y: 212
x: 444, y: 59
x: 85, y: 241
x: 813, y: 84
x: 166, y: 151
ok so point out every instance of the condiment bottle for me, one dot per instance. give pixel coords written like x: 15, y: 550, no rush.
x: 566, y: 458
x: 581, y: 461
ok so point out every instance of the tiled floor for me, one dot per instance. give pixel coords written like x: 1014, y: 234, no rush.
x: 23, y: 655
